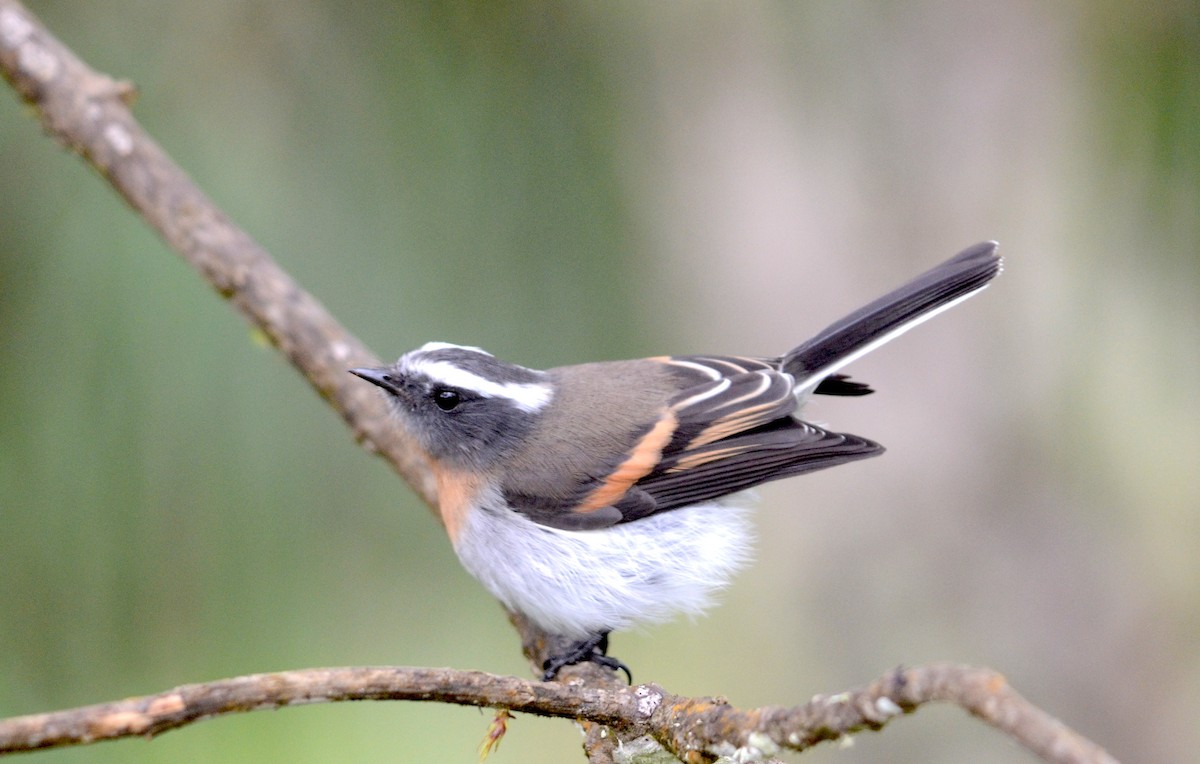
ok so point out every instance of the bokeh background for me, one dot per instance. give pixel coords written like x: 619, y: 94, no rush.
x: 561, y: 182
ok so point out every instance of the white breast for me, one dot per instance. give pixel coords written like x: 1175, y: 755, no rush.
x: 576, y: 583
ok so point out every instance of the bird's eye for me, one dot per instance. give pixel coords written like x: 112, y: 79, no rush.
x: 447, y: 400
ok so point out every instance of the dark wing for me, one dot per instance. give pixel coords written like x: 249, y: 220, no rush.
x: 734, y: 432
x: 783, y: 449
x: 728, y: 427
x: 735, y: 400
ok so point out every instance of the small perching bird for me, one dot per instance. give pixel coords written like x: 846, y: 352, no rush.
x: 593, y: 497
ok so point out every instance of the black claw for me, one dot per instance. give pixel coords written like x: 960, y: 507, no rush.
x: 594, y: 649
x: 614, y: 664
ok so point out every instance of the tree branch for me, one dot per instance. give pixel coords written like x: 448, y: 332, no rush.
x: 88, y: 113
x: 691, y: 728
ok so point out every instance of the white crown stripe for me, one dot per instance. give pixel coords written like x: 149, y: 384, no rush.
x: 532, y: 396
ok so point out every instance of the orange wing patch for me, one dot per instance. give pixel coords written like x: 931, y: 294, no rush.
x: 742, y: 419
x: 641, y: 460
x: 694, y: 460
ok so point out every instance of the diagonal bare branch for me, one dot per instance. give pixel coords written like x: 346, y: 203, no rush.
x: 88, y: 112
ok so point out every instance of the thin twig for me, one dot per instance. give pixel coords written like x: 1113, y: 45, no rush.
x: 88, y: 112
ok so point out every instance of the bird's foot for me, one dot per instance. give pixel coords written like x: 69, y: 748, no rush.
x: 594, y: 649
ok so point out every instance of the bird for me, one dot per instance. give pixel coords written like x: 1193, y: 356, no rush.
x: 595, y: 497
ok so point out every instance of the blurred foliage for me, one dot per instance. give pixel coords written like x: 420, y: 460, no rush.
x: 561, y: 182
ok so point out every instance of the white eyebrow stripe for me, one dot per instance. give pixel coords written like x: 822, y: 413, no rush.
x: 530, y: 397
x: 429, y: 346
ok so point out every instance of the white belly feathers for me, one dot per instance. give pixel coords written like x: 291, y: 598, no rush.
x: 576, y: 583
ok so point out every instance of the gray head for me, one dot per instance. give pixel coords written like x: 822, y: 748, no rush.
x: 462, y: 404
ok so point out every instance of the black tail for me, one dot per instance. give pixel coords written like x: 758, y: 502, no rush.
x: 896, y: 312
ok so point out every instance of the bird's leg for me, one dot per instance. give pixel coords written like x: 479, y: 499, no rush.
x: 593, y: 649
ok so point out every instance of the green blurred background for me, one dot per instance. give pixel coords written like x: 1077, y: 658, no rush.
x: 567, y: 182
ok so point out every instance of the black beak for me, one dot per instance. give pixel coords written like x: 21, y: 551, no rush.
x: 378, y: 377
